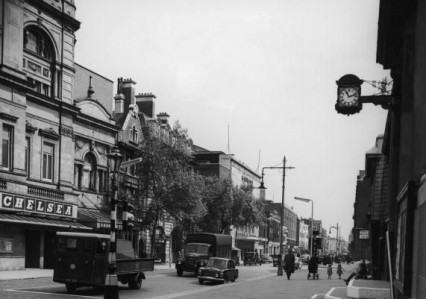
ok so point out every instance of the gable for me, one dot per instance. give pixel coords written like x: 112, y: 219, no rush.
x: 94, y: 109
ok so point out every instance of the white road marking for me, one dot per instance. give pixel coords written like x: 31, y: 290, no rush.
x: 260, y: 277
x: 47, y: 293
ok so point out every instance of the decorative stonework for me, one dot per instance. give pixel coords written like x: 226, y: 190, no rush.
x: 67, y: 132
x: 79, y: 144
x: 101, y: 150
x: 29, y: 128
x: 9, y: 117
x: 49, y: 133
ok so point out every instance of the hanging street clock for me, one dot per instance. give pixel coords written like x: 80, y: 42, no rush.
x: 349, y: 95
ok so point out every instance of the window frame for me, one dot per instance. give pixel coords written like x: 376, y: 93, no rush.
x: 10, y: 147
x: 52, y: 161
x: 28, y: 150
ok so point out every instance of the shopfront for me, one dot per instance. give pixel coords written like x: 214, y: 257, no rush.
x: 28, y: 228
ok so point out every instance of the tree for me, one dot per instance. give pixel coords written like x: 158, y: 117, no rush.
x: 167, y: 183
x: 227, y: 205
x: 217, y: 198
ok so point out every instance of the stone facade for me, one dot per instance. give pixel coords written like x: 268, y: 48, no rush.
x: 56, y: 133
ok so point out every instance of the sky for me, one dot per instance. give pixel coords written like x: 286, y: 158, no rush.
x: 255, y: 78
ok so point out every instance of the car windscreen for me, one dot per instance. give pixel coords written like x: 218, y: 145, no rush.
x: 221, y: 264
x: 197, y: 248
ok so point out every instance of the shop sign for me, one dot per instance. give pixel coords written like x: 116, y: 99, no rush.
x: 24, y: 204
x: 364, y: 234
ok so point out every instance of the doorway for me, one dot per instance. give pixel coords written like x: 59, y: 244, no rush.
x: 32, y: 248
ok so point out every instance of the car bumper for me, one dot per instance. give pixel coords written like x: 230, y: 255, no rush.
x: 210, y: 278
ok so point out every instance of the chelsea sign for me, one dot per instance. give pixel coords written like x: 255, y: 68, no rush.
x: 32, y: 205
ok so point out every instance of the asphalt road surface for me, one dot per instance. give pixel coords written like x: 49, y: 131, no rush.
x: 253, y: 282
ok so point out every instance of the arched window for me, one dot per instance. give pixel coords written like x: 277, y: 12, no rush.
x: 39, y: 60
x: 37, y: 43
x: 89, y: 176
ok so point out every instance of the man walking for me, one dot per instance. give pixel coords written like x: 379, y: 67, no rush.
x: 289, y: 263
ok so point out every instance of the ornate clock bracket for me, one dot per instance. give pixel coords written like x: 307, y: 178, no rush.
x: 352, y: 106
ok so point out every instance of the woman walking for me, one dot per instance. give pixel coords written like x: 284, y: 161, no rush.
x: 289, y: 263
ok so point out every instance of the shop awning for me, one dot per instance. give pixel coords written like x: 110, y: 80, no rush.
x: 96, y: 219
x: 21, y: 219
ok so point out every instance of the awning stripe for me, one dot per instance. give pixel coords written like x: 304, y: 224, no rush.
x: 12, y: 218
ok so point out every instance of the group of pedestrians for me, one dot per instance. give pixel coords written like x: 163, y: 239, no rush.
x: 289, y: 264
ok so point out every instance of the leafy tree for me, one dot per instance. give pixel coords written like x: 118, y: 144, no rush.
x: 246, y: 209
x: 217, y: 198
x: 168, y: 185
x: 227, y: 205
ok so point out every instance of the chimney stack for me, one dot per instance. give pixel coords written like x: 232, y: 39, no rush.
x: 146, y: 104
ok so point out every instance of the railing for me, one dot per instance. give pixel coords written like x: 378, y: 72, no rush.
x: 45, y: 192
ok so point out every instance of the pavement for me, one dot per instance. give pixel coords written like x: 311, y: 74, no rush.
x: 31, y: 273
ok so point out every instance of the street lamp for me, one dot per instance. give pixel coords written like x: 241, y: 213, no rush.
x: 312, y: 218
x: 337, y: 236
x: 111, y: 282
x: 262, y: 186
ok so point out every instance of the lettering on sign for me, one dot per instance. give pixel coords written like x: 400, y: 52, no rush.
x: 18, y: 203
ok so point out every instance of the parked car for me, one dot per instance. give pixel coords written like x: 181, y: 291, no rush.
x: 266, y: 258
x: 218, y: 270
x: 251, y: 258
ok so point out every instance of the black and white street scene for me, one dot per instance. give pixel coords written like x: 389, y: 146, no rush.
x: 249, y: 149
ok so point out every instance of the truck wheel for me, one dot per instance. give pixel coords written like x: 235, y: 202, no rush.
x: 179, y: 272
x: 135, y: 282
x: 71, y: 287
x: 200, y: 280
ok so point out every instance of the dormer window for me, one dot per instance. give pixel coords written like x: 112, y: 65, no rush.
x: 134, y: 134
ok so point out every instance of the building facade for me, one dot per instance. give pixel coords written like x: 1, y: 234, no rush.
x: 56, y: 132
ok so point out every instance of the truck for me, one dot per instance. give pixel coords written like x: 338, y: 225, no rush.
x: 199, y: 247
x: 81, y: 259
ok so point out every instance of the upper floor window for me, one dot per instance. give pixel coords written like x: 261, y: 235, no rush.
x: 27, y: 155
x: 134, y: 134
x: 7, y: 147
x: 35, y: 42
x: 89, y: 172
x: 48, y: 159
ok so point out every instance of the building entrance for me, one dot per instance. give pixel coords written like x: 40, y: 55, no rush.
x: 32, y: 248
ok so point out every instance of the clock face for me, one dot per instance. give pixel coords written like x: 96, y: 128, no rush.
x: 348, y: 96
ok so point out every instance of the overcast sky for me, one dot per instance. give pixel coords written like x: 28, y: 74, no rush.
x: 265, y: 69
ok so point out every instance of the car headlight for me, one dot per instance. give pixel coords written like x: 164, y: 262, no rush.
x: 221, y: 274
x: 179, y: 262
x: 217, y: 275
x: 200, y: 272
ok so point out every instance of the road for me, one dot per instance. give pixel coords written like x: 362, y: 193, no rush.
x: 253, y: 282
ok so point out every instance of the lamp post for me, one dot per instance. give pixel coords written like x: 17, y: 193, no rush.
x: 111, y: 282
x: 262, y: 186
x: 312, y: 219
x: 337, y: 237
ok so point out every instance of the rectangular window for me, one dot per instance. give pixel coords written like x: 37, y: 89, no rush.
x: 27, y: 155
x: 7, y: 147
x: 48, y: 150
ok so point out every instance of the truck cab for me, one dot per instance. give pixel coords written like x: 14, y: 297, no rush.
x: 199, y: 248
x: 81, y: 259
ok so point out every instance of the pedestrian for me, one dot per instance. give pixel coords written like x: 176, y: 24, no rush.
x: 339, y: 270
x: 329, y: 271
x: 289, y: 263
x: 361, y: 272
